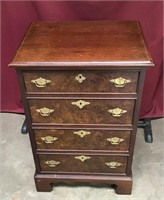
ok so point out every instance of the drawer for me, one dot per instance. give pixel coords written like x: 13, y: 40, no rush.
x: 80, y: 81
x: 82, y: 139
x: 80, y: 111
x: 76, y: 163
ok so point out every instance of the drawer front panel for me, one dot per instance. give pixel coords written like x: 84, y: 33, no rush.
x: 83, y: 163
x: 77, y: 81
x: 82, y: 139
x: 88, y: 111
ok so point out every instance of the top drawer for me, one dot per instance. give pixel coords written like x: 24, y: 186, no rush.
x: 80, y: 81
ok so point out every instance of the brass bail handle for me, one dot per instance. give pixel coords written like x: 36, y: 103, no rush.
x: 115, y: 140
x: 45, y: 112
x: 120, y: 82
x: 52, y: 163
x: 49, y: 139
x: 113, y: 164
x: 41, y: 82
x: 117, y: 112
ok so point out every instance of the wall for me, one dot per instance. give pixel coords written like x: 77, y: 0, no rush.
x: 17, y: 16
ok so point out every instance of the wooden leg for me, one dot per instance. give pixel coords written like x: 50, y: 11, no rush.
x: 124, y: 187
x: 43, y: 185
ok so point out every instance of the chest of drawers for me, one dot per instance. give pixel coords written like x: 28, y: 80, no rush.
x: 81, y: 85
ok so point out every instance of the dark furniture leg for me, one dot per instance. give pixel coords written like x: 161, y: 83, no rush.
x: 146, y: 124
x: 24, y: 129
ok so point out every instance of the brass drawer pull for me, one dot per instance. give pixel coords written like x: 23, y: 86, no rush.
x: 45, y: 112
x: 80, y: 78
x: 82, y: 133
x: 115, y: 140
x: 82, y: 158
x: 117, y: 112
x: 120, y: 82
x: 52, y: 163
x: 113, y: 165
x: 49, y: 139
x: 80, y: 103
x: 41, y: 82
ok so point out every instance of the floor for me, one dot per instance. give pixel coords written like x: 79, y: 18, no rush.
x: 17, y: 168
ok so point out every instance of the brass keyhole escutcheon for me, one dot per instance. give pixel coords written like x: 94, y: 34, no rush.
x: 82, y: 133
x: 82, y: 158
x: 80, y: 78
x: 80, y: 103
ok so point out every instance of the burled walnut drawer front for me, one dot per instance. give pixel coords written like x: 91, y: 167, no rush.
x: 83, y: 163
x: 80, y: 111
x: 81, y: 81
x: 82, y: 139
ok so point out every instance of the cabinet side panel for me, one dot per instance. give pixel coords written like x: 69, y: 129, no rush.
x: 135, y: 119
x: 28, y: 118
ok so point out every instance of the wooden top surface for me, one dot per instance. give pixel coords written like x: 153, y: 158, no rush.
x: 83, y: 43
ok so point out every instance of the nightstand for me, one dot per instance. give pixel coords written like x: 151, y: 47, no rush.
x: 81, y: 85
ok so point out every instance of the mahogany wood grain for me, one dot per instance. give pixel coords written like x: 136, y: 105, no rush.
x: 83, y: 42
